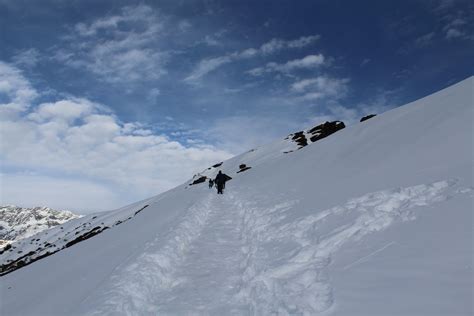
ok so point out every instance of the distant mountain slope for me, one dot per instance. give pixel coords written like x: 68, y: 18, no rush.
x: 21, y: 222
x: 375, y: 219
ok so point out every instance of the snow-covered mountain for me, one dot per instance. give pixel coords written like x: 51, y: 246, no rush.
x: 375, y: 219
x: 22, y: 222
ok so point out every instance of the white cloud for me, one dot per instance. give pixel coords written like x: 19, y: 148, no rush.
x: 454, y: 28
x: 118, y: 48
x: 210, y: 40
x: 184, y: 25
x: 256, y: 71
x: 28, y: 58
x: 323, y: 83
x: 249, y: 52
x: 453, y: 33
x: 457, y: 23
x: 77, y: 195
x: 276, y: 44
x: 153, y: 94
x: 272, y: 46
x: 64, y: 110
x: 82, y: 139
x: 140, y: 13
x: 365, y: 62
x: 15, y: 90
x: 208, y: 65
x: 321, y: 87
x: 425, y: 40
x: 303, y: 41
x: 443, y: 5
x: 214, y: 39
x: 312, y: 96
x: 308, y: 62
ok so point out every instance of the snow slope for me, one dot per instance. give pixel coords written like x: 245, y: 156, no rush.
x: 375, y: 219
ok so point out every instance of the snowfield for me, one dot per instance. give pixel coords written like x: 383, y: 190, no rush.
x: 376, y: 219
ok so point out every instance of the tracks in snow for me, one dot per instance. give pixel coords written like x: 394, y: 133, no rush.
x: 244, y: 255
x: 210, y: 274
x: 197, y: 267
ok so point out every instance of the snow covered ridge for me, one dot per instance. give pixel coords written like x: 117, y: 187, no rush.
x: 45, y: 242
x: 20, y: 222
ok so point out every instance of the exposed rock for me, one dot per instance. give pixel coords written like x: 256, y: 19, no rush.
x: 243, y: 167
x: 217, y: 165
x: 302, y: 138
x: 325, y: 129
x: 139, y: 210
x: 199, y: 180
x: 4, y: 243
x: 89, y: 234
x: 365, y: 118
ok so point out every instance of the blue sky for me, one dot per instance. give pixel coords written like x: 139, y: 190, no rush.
x: 106, y: 102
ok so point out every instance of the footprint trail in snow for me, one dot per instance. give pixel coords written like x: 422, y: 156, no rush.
x: 210, y: 272
x: 241, y: 255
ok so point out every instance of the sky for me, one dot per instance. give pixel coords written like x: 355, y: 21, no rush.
x: 103, y: 103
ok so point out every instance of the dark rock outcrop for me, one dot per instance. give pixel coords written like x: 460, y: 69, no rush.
x: 95, y: 231
x: 314, y: 134
x: 243, y: 167
x: 300, y: 139
x: 365, y: 118
x: 199, y: 180
x: 325, y: 129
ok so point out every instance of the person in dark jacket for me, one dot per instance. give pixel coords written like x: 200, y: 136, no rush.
x: 220, y: 181
x: 211, y: 183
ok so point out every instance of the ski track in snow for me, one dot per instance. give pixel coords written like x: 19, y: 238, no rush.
x: 238, y: 255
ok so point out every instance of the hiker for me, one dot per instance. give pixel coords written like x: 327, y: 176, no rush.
x: 220, y: 181
x: 211, y: 183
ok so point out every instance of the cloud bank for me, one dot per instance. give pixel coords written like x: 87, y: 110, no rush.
x: 76, y: 137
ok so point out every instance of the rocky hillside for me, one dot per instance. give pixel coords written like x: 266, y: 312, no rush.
x: 20, y: 222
